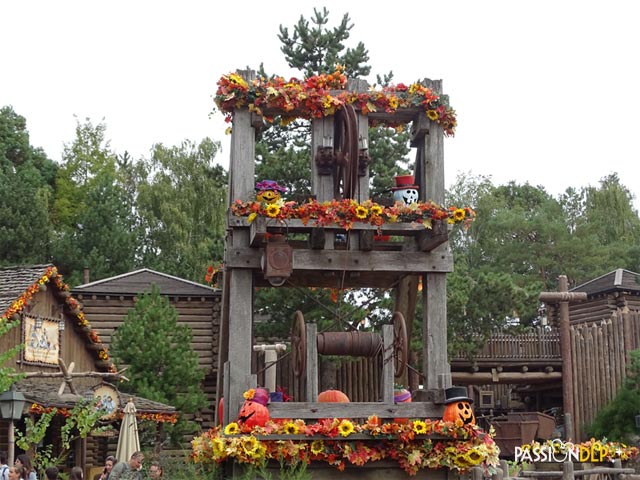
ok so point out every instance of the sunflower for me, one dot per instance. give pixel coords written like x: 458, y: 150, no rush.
x: 432, y: 114
x: 217, y: 447
x: 473, y: 457
x: 290, y: 428
x: 459, y: 214
x: 272, y: 210
x: 419, y: 427
x: 361, y: 212
x: 376, y: 209
x: 231, y: 429
x: 250, y: 445
x: 317, y: 447
x: 345, y: 428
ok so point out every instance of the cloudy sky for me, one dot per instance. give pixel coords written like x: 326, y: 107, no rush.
x: 546, y: 92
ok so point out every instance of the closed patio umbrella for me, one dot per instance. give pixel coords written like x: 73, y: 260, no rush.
x: 128, y: 441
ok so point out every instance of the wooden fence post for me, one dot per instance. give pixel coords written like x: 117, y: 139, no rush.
x: 567, y: 471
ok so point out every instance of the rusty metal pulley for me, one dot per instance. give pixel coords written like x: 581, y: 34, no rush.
x: 347, y: 152
x: 356, y: 344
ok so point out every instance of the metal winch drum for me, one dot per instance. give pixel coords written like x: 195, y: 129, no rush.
x: 353, y: 344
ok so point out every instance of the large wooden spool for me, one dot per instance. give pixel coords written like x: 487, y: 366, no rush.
x: 353, y: 344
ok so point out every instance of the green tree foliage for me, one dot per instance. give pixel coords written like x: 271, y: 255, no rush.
x: 26, y: 181
x: 8, y: 375
x: 94, y: 219
x: 182, y: 206
x: 82, y: 420
x: 162, y: 364
x: 317, y: 49
x: 616, y: 421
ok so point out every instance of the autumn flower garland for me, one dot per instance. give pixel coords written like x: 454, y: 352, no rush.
x: 347, y: 212
x: 322, y: 95
x: 416, y: 445
x: 52, y: 274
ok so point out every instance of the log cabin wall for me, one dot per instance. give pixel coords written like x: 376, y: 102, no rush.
x: 107, y: 302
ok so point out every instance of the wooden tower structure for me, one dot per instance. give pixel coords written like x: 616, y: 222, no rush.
x: 339, y: 170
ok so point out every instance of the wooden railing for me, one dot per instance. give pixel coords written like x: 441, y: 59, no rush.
x: 540, y: 344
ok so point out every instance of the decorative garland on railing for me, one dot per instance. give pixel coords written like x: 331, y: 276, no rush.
x: 415, y: 445
x: 347, y: 212
x: 316, y: 97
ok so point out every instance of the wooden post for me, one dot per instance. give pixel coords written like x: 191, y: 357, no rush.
x: 567, y: 470
x: 563, y: 297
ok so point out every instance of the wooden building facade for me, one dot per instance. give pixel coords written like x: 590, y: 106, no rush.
x: 603, y: 330
x: 62, y: 358
x: 107, y: 301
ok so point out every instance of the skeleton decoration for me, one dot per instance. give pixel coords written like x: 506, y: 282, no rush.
x: 404, y: 191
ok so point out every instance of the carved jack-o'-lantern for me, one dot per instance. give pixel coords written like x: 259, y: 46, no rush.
x: 268, y: 191
x: 253, y: 414
x: 458, y: 409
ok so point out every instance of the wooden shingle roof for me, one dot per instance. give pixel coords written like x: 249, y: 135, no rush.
x: 139, y: 281
x: 15, y: 280
x: 617, y: 280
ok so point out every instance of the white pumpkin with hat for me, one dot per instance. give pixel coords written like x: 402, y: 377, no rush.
x: 405, y: 191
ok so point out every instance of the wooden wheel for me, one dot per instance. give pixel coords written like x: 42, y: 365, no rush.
x: 400, y: 344
x: 298, y: 344
x: 346, y: 137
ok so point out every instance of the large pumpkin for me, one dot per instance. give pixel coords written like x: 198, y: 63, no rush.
x: 460, y: 411
x: 330, y: 396
x: 253, y: 414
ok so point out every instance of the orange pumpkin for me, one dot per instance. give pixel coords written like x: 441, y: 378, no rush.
x: 333, y: 396
x: 460, y: 411
x: 253, y: 414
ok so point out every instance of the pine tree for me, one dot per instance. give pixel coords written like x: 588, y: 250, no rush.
x: 162, y: 365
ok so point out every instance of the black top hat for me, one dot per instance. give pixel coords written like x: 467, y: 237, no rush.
x: 456, y: 394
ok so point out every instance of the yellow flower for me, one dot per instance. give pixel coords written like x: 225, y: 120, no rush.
x: 248, y: 395
x: 376, y: 210
x: 345, y: 428
x: 432, y: 114
x: 361, y: 212
x: 272, y: 210
x: 235, y: 78
x: 250, y: 444
x: 459, y: 214
x: 231, y: 429
x: 317, y: 446
x: 473, y: 457
x: 217, y: 447
x: 290, y: 428
x: 419, y: 427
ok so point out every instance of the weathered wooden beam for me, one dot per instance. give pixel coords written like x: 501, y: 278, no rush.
x: 482, y: 378
x: 353, y: 410
x: 353, y: 261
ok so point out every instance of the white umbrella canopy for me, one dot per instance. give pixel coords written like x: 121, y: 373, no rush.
x: 128, y: 441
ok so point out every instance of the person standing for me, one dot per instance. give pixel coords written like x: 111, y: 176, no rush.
x: 17, y: 472
x: 155, y: 471
x: 76, y: 474
x: 134, y: 465
x: 109, y: 462
x: 4, y: 468
x: 51, y: 473
x: 24, y: 461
